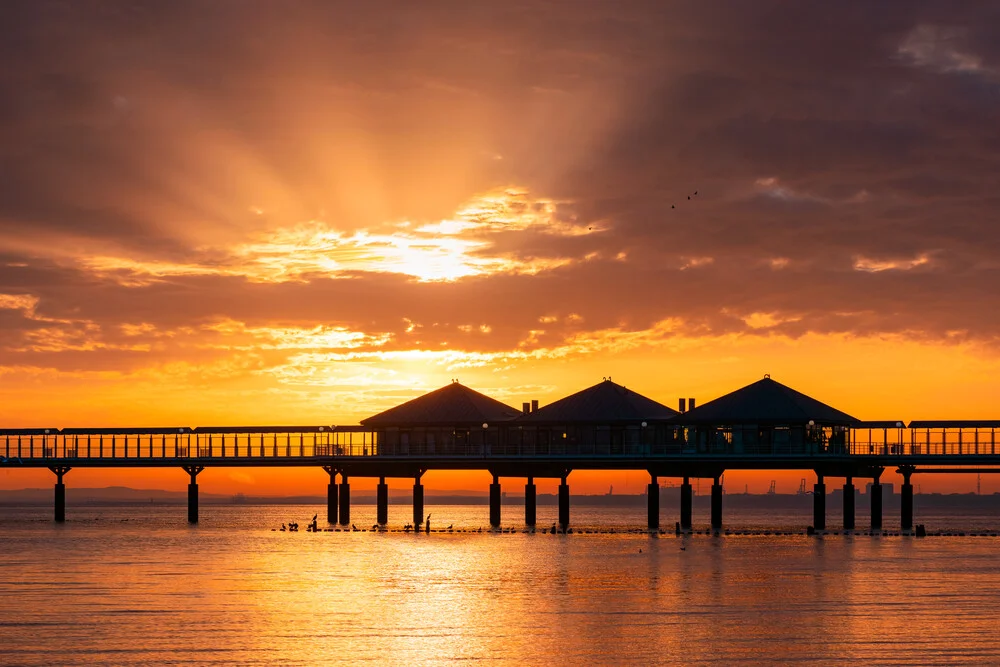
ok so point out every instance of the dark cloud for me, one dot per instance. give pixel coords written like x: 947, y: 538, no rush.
x: 822, y: 137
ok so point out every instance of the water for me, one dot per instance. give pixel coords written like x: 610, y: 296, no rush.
x: 151, y: 590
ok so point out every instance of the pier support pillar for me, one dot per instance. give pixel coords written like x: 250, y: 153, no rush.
x: 716, y: 505
x: 331, y: 495
x: 686, y: 504
x: 849, y: 504
x: 906, y: 501
x: 345, y: 500
x: 530, y: 503
x: 60, y: 493
x: 563, y: 505
x: 382, y: 502
x: 876, y: 503
x: 653, y: 504
x: 193, y: 492
x: 418, y: 503
x: 495, y: 502
x: 819, y: 504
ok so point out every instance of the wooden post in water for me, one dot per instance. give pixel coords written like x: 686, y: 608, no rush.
x: 686, y: 504
x: 345, y: 500
x: 530, y: 503
x: 495, y: 502
x: 906, y: 500
x: 876, y: 502
x: 716, y: 505
x: 653, y: 504
x: 382, y: 502
x: 60, y: 493
x: 849, y: 503
x: 193, y: 492
x: 563, y: 505
x: 819, y: 503
x: 332, y: 491
x: 418, y: 503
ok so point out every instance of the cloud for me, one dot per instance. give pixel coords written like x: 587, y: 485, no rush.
x: 180, y: 199
x: 940, y: 48
x: 446, y: 250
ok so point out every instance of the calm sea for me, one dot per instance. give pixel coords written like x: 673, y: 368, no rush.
x: 136, y: 585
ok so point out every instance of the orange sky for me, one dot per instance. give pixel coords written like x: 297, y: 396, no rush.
x: 869, y: 378
x: 200, y: 225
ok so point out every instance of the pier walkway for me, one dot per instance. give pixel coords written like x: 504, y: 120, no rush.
x: 358, y: 451
x: 763, y: 426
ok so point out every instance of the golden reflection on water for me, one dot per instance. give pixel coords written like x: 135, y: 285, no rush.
x: 231, y: 591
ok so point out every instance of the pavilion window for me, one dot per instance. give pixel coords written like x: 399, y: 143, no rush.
x: 617, y: 441
x: 530, y: 438
x: 602, y: 438
x: 632, y: 436
x: 783, y: 441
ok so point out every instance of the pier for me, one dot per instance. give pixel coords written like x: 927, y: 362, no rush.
x: 764, y: 426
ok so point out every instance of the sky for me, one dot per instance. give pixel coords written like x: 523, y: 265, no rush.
x: 306, y: 212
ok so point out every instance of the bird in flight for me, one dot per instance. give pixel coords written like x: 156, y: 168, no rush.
x: 693, y: 194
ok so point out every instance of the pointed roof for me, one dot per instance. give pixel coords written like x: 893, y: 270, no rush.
x: 451, y: 405
x: 766, y: 402
x: 605, y: 402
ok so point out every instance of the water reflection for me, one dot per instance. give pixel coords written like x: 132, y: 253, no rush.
x: 151, y: 590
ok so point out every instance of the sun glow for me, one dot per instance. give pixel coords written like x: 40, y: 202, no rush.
x: 444, y: 250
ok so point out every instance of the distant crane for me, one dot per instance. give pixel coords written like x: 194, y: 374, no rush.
x: 770, y: 490
x: 802, y: 486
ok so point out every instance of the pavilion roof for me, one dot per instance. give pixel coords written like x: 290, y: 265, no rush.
x: 451, y: 405
x: 766, y: 402
x: 605, y: 402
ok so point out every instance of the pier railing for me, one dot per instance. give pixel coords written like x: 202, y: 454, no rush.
x: 187, y: 443
x: 269, y: 443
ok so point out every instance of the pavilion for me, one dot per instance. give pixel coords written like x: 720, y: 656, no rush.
x: 767, y: 418
x: 451, y: 420
x: 604, y: 419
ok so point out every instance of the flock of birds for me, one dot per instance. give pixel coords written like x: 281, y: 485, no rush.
x: 672, y: 206
x: 312, y: 527
x: 693, y: 194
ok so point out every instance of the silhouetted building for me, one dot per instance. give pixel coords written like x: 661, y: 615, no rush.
x: 451, y: 420
x: 766, y: 417
x: 604, y: 419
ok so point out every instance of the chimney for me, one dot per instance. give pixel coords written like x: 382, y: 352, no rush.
x: 690, y: 404
x: 534, y: 405
x: 525, y: 407
x: 682, y: 404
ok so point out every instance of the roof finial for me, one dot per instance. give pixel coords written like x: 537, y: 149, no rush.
x: 767, y: 376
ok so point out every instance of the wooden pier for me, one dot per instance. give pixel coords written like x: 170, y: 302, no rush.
x: 631, y: 434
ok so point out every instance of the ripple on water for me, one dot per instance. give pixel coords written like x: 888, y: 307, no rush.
x: 152, y: 590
